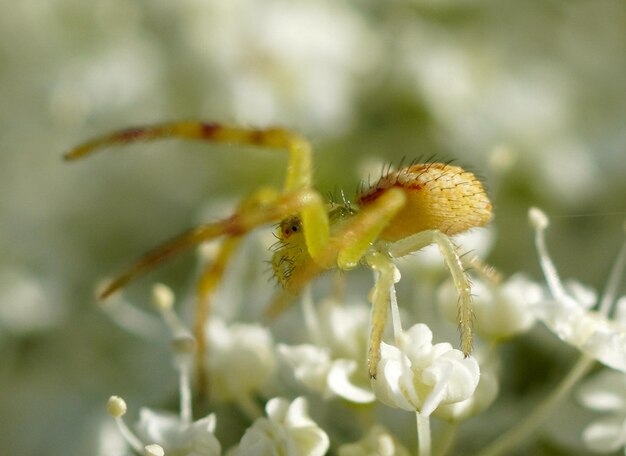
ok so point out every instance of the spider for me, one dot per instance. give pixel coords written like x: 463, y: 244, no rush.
x: 406, y: 210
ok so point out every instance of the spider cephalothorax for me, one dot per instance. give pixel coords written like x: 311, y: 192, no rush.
x: 404, y: 211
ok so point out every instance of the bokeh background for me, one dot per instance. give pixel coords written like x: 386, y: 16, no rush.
x: 530, y: 95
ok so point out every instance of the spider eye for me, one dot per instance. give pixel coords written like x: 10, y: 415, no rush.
x: 290, y: 226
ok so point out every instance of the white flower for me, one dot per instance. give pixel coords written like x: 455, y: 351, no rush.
x: 419, y: 376
x: 27, y: 304
x: 500, y: 310
x: 176, y: 436
x: 173, y: 433
x: 568, y: 314
x: 486, y: 392
x: 240, y: 359
x: 376, y: 442
x: 591, y: 332
x: 287, y: 430
x: 335, y: 364
x: 605, y: 392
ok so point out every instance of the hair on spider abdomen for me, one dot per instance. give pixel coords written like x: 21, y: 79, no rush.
x: 440, y: 197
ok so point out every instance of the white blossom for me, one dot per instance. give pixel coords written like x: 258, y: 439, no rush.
x: 173, y: 433
x: 153, y: 450
x: 500, y: 310
x: 605, y: 392
x: 377, y: 441
x: 166, y: 432
x: 485, y: 394
x: 568, y: 313
x: 419, y: 376
x: 287, y: 430
x: 334, y: 365
x: 177, y: 436
x: 592, y: 333
x: 240, y: 359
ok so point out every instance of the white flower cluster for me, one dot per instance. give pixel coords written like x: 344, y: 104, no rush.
x: 418, y: 376
x: 376, y: 441
x: 236, y: 351
x: 288, y: 429
x: 501, y: 311
x: 605, y: 392
x: 569, y: 313
x: 415, y: 375
x: 333, y: 364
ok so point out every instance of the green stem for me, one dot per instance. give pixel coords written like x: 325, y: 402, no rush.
x: 249, y: 408
x: 423, y: 434
x: 524, y: 429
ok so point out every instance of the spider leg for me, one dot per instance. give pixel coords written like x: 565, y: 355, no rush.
x: 382, y: 296
x: 299, y: 168
x: 351, y: 244
x: 357, y: 238
x: 211, y: 277
x: 209, y: 280
x: 236, y: 225
x: 487, y: 272
x: 457, y: 271
x: 356, y: 241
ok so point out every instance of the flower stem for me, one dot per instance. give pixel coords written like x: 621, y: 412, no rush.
x: 423, y: 434
x: 184, y: 385
x: 549, y: 270
x: 612, y: 285
x: 128, y: 435
x: 249, y: 408
x: 525, y: 428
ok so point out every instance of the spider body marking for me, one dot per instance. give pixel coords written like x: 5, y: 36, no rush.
x: 404, y: 211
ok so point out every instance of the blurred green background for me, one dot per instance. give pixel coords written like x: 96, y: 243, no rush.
x: 530, y: 95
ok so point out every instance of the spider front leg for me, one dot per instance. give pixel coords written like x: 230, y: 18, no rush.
x: 262, y: 208
x: 455, y: 266
x: 299, y: 171
x: 212, y: 276
x: 299, y: 168
x: 237, y: 225
x: 347, y: 247
x: 382, y: 296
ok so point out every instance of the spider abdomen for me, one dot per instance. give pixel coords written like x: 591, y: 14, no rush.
x: 439, y: 197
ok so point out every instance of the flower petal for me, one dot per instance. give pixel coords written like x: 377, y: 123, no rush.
x: 605, y: 391
x: 339, y: 382
x: 420, y: 376
x: 606, y: 435
x: 289, y: 430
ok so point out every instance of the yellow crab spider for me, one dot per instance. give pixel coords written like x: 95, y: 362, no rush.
x: 404, y: 211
